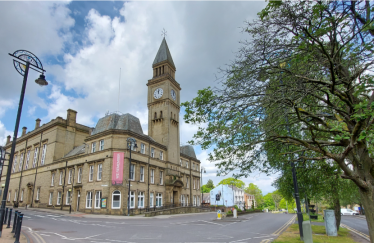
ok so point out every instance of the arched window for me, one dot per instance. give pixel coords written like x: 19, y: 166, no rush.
x: 116, y: 199
x: 160, y: 114
x: 155, y: 115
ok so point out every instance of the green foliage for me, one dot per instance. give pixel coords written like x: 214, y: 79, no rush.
x: 256, y: 192
x: 232, y: 181
x: 205, y: 189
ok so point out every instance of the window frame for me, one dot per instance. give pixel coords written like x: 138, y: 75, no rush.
x: 22, y: 195
x: 98, y: 200
x: 93, y: 147
x: 132, y: 172
x: 187, y: 164
x: 101, y: 145
x: 59, y: 196
x: 20, y: 162
x: 142, y: 148
x: 67, y: 199
x: 70, y: 175
x: 44, y: 152
x: 161, y: 177
x: 89, y: 199
x: 99, y: 171
x: 140, y: 199
x: 79, y: 179
x: 90, y: 173
x: 116, y: 194
x: 141, y: 174
x: 14, y: 163
x: 161, y: 155
x: 27, y: 159
x: 34, y: 162
x: 60, y: 179
x: 53, y: 179
x: 50, y: 200
x: 152, y: 176
x: 152, y: 152
x: 37, y: 194
x: 158, y: 200
x: 132, y: 199
x: 151, y: 199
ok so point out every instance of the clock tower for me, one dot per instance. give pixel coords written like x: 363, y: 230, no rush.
x: 164, y: 104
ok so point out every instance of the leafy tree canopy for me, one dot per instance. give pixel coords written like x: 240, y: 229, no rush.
x: 232, y: 181
x: 256, y: 192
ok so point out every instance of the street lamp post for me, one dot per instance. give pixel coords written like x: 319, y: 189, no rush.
x: 130, y: 143
x: 201, y: 174
x: 24, y: 61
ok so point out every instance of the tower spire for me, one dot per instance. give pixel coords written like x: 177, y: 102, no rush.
x: 163, y: 54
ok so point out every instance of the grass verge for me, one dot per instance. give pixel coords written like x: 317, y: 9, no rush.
x: 291, y: 235
x: 320, y: 218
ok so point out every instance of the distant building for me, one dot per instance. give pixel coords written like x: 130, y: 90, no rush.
x: 249, y: 199
x: 206, y: 198
x: 230, y: 196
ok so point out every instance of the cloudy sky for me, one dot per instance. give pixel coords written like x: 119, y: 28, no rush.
x: 83, y: 45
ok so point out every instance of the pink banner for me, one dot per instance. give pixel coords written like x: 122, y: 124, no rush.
x: 117, y: 170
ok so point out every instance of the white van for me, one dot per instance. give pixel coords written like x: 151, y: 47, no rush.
x: 345, y: 211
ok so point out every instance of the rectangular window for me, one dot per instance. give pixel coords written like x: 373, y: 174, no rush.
x: 152, y: 176
x: 27, y: 160
x: 186, y: 164
x: 9, y: 195
x: 89, y: 200
x: 68, y: 195
x: 142, y: 148
x: 50, y: 198
x: 133, y: 147
x: 35, y: 157
x: 58, y: 198
x: 152, y: 152
x: 101, y: 144
x: 43, y: 154
x: 142, y: 173
x: 193, y: 166
x: 132, y: 170
x: 151, y: 199
x: 93, y: 147
x: 161, y: 177
x: 90, y: 176
x: 20, y: 162
x: 37, y: 193
x: 181, y: 162
x: 161, y: 155
x: 99, y: 171
x: 141, y: 200
x: 187, y: 183
x: 70, y: 176
x: 21, y: 199
x: 194, y: 183
x: 182, y: 200
x: 14, y: 164
x: 97, y: 199
x: 53, y: 179
x: 15, y: 195
x: 79, y: 174
x: 60, y: 181
x: 194, y: 200
x: 132, y: 199
x: 158, y: 199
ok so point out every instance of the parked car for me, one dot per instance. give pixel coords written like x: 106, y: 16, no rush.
x: 345, y: 211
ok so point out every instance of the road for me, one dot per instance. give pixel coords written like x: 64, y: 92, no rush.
x: 45, y: 227
x: 357, y: 224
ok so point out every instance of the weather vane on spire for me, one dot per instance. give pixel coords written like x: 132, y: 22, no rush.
x: 164, y: 32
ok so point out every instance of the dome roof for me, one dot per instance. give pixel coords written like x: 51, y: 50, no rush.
x: 188, y: 150
x: 122, y: 122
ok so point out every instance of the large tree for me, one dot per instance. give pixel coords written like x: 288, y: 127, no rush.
x: 303, y: 81
x: 232, y: 181
x: 256, y: 192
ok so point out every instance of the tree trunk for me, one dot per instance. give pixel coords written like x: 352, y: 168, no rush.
x: 367, y: 198
x: 338, y: 215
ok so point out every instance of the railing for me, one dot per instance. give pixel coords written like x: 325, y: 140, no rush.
x: 136, y: 211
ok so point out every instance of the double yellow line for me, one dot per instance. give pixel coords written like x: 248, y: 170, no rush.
x: 266, y: 241
x: 365, y: 236
x: 277, y: 232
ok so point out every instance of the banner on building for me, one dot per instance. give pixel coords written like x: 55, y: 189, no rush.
x: 117, y: 169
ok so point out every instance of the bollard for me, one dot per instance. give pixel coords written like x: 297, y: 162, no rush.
x: 235, y: 213
x: 14, y: 221
x: 307, y: 232
x: 10, y: 216
x: 6, y: 215
x: 18, y: 229
x: 330, y: 222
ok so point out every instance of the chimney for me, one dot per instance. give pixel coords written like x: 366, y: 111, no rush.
x: 37, y: 123
x: 91, y: 130
x: 71, y: 118
x: 24, y: 130
x: 8, y: 139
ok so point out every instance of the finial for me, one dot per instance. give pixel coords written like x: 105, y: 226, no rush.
x: 164, y: 32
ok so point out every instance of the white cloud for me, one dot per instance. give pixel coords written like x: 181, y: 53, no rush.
x: 3, y: 134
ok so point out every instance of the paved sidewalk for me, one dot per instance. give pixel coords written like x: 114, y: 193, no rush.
x: 7, y: 236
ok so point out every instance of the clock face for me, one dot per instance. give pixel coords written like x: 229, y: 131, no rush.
x: 173, y: 95
x: 158, y: 93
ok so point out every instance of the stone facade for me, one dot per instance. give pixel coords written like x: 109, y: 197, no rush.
x: 63, y: 163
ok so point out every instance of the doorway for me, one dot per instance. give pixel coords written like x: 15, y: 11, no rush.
x: 78, y: 199
x: 175, y: 198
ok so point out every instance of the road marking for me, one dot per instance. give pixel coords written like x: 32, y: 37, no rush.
x: 277, y: 232
x: 44, y: 234
x: 365, y: 236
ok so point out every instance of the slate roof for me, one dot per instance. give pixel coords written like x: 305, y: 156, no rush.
x: 122, y: 122
x: 188, y: 150
x: 163, y: 54
x: 77, y: 150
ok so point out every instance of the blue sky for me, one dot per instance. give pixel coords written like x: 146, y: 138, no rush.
x: 83, y: 45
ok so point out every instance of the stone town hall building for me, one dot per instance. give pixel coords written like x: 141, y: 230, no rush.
x: 63, y: 163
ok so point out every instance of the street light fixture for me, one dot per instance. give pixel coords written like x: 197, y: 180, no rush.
x: 201, y: 175
x: 131, y: 142
x: 24, y: 60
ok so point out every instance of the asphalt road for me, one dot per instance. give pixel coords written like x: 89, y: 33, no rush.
x: 45, y: 227
x: 356, y: 223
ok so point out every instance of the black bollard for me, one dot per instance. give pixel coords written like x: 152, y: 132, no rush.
x: 14, y: 221
x: 18, y: 227
x: 10, y: 216
x: 6, y: 215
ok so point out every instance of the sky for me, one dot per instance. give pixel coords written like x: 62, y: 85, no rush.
x: 90, y: 49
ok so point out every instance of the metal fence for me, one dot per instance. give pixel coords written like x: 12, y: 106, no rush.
x: 136, y: 211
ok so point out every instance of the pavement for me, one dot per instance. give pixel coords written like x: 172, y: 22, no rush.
x: 45, y: 225
x: 7, y: 236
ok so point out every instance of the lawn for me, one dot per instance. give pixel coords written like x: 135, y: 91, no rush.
x: 291, y: 235
x: 320, y: 218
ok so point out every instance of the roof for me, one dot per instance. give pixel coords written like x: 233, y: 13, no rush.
x: 121, y: 122
x: 188, y: 150
x: 163, y: 54
x: 77, y: 150
x: 235, y: 188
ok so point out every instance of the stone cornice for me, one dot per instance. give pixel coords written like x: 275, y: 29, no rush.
x: 164, y: 101
x: 164, y: 77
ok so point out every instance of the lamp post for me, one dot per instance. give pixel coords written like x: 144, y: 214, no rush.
x: 24, y: 60
x: 201, y: 175
x: 131, y: 142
